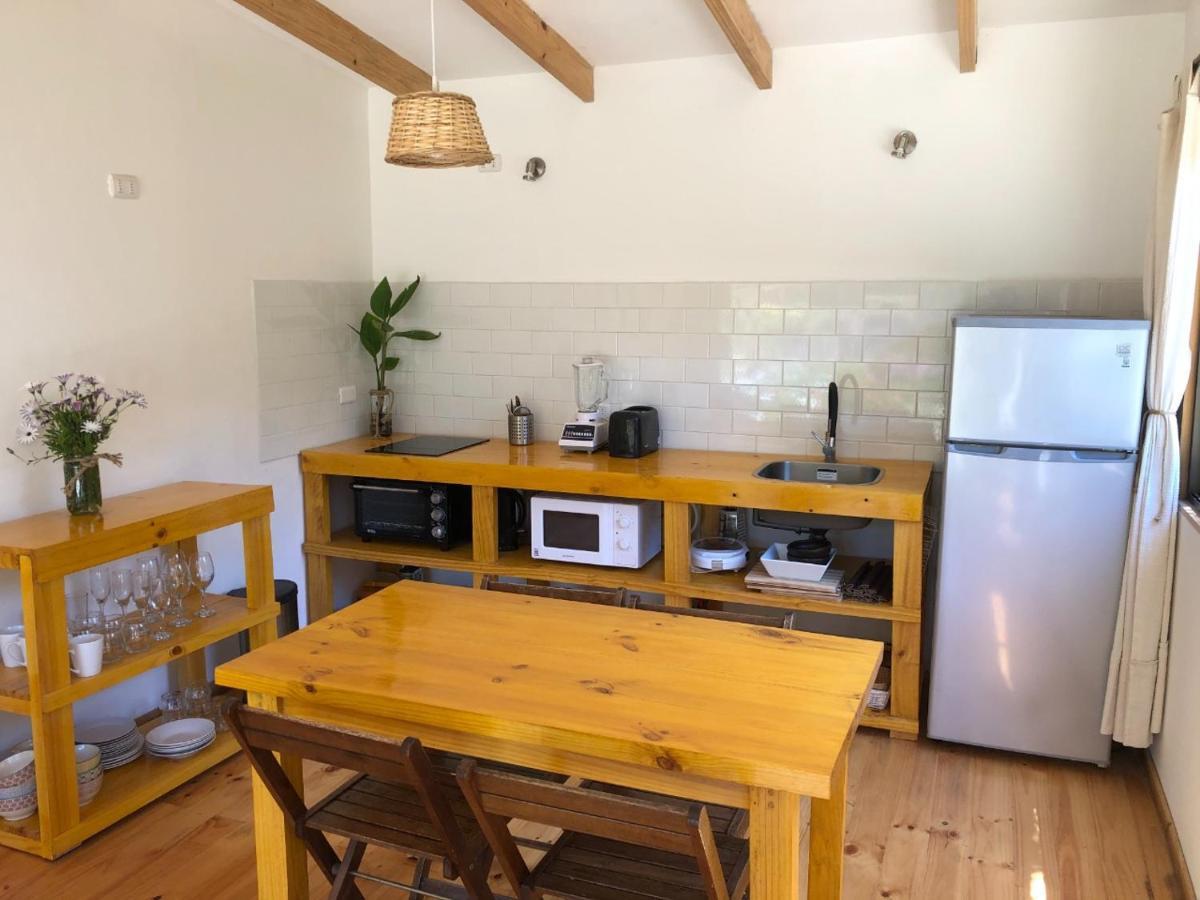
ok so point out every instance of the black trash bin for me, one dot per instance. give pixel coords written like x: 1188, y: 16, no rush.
x: 289, y: 616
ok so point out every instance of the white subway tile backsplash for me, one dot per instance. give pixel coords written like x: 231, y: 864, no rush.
x: 756, y: 371
x: 758, y: 321
x: 891, y: 295
x: 782, y: 346
x: 733, y: 346
x: 810, y: 321
x: 733, y: 396
x: 783, y: 296
x: 807, y: 374
x: 864, y: 321
x: 836, y: 294
x: 739, y: 366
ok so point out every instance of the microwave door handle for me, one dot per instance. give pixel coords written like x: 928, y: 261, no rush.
x: 380, y: 487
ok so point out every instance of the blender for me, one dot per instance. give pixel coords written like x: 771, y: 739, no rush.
x: 589, y: 431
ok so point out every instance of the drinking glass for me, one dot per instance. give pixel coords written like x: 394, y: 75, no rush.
x: 82, y: 619
x: 114, y: 638
x: 122, y: 589
x: 157, y: 603
x: 148, y: 567
x: 203, y: 572
x: 178, y: 583
x: 100, y: 586
x: 171, y: 704
x: 197, y: 701
x: 137, y: 634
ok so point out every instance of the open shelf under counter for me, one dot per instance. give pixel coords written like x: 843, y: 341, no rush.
x: 346, y: 544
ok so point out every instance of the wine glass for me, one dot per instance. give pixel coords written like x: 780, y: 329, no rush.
x: 157, y: 603
x: 99, y: 586
x: 122, y: 589
x: 203, y: 572
x: 178, y: 583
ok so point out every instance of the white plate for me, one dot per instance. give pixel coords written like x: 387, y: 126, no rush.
x: 104, y: 731
x: 181, y: 732
x: 179, y: 754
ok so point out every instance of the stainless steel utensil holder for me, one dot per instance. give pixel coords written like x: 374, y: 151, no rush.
x: 520, y: 429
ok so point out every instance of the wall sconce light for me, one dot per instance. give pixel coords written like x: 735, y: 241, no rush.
x: 534, y: 169
x: 904, y: 144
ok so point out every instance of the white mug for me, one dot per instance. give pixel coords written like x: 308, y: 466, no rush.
x: 10, y: 637
x: 86, y: 652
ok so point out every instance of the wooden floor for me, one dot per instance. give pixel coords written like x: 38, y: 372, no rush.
x: 928, y: 821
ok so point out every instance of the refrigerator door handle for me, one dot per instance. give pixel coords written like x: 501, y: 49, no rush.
x: 975, y: 449
x: 1102, y: 455
x: 1039, y: 454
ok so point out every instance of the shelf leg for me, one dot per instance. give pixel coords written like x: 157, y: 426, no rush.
x: 280, y: 855
x: 677, y: 550
x: 260, y: 575
x: 45, y: 615
x: 318, y: 528
x: 485, y: 533
x: 907, y: 579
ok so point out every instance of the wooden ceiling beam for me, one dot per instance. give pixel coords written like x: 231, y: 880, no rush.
x: 740, y: 26
x: 520, y: 24
x: 968, y: 35
x: 326, y: 31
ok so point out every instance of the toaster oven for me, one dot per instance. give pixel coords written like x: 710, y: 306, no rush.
x: 412, y: 511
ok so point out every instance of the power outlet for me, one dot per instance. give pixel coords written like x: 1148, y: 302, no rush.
x: 347, y: 394
x: 123, y: 187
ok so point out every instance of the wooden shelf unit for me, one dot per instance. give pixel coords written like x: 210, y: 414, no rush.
x: 44, y: 549
x: 676, y: 477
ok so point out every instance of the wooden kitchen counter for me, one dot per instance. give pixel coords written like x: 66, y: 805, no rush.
x: 676, y: 477
x: 689, y: 476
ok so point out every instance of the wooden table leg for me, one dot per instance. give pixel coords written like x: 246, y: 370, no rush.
x: 827, y: 836
x: 774, y: 845
x: 280, y: 854
x: 677, y: 550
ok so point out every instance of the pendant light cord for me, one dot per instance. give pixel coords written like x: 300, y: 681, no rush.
x: 433, y: 44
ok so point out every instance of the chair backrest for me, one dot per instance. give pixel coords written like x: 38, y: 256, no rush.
x: 497, y: 797
x: 785, y: 619
x: 600, y: 596
x: 262, y: 734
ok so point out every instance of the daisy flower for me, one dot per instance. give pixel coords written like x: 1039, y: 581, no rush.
x: 27, y: 434
x: 91, y: 426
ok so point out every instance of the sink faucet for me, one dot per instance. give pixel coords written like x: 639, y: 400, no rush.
x: 829, y: 443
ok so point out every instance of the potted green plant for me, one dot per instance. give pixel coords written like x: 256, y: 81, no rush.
x: 375, y: 333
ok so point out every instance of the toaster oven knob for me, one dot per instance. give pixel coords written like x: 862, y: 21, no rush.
x: 438, y: 515
x: 438, y: 532
x: 435, y: 498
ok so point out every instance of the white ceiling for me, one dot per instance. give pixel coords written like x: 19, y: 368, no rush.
x: 611, y: 32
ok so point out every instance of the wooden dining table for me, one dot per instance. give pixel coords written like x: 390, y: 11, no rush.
x: 742, y: 715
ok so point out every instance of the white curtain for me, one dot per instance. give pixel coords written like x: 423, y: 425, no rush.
x: 1137, y: 671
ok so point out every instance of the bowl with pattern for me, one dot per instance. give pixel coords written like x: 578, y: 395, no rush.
x: 15, y: 808
x: 17, y: 769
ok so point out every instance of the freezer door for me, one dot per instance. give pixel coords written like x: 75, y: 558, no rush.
x: 1048, y: 382
x: 1032, y: 549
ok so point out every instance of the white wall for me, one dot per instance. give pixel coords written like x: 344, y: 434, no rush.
x: 252, y: 165
x: 1038, y: 165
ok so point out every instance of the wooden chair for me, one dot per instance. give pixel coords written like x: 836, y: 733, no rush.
x: 785, y: 620
x: 612, y: 846
x: 599, y: 596
x: 403, y: 798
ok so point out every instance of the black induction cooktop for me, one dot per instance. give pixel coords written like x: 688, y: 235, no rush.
x: 428, y: 445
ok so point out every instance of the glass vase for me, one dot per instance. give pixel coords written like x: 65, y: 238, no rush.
x: 381, y: 412
x: 82, y: 488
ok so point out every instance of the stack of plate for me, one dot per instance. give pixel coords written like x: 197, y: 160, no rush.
x: 119, y: 740
x: 181, y: 738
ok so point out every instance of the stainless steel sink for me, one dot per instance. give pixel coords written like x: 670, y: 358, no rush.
x: 820, y: 473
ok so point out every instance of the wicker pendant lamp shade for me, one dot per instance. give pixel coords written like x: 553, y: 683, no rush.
x: 436, y: 130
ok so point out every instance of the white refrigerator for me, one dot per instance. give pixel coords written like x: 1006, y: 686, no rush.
x: 1041, y: 449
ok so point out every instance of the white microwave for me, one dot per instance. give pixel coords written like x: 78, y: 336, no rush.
x: 598, y: 531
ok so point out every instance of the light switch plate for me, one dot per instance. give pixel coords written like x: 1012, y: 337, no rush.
x: 123, y: 187
x: 493, y: 166
x: 347, y: 394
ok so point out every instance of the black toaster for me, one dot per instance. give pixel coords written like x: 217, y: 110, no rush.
x: 633, y: 432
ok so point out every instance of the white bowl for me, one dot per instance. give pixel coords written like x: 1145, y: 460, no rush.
x: 775, y: 561
x: 87, y: 757
x: 17, y: 808
x: 21, y: 790
x: 90, y: 788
